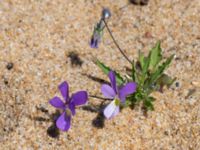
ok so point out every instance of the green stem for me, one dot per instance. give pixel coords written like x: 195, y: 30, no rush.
x: 121, y: 51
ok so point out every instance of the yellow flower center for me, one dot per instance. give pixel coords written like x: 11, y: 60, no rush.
x: 117, y: 102
x: 68, y: 112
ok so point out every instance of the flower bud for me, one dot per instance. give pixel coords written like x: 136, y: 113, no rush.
x: 106, y: 13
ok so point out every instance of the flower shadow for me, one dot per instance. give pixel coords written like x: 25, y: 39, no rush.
x: 52, y: 130
x: 75, y: 59
x: 98, y: 121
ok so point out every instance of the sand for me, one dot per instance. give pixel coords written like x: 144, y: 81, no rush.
x: 38, y: 35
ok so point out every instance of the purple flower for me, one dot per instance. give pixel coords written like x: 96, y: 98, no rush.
x: 68, y: 106
x: 118, y: 94
x: 96, y: 38
x: 97, y: 34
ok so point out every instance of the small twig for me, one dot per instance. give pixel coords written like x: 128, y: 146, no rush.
x: 121, y: 51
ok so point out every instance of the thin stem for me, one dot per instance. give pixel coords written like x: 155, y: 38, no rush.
x: 121, y: 51
x: 98, y: 97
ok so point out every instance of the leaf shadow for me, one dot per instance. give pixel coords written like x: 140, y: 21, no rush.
x: 96, y: 79
x: 139, y: 2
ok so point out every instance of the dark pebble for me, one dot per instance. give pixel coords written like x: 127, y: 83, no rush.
x: 9, y: 65
x: 6, y: 82
x: 177, y: 84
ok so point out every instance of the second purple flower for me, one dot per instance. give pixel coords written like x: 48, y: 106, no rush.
x: 118, y: 95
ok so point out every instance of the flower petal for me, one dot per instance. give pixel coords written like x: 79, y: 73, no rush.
x: 113, y: 80
x: 94, y: 43
x: 115, y: 112
x: 108, y: 91
x: 80, y: 98
x: 126, y: 90
x: 57, y: 102
x: 63, y: 122
x: 111, y: 110
x: 96, y: 38
x: 64, y: 90
x: 72, y: 108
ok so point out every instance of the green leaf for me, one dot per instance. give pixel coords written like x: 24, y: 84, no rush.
x: 128, y: 102
x: 158, y: 73
x: 141, y: 59
x: 165, y: 80
x: 106, y: 70
x: 144, y: 62
x: 146, y: 65
x: 144, y: 75
x: 155, y: 56
x: 134, y: 73
x: 148, y: 103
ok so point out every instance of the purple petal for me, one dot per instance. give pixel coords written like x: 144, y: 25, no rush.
x: 57, y: 102
x: 64, y: 90
x: 126, y: 90
x: 96, y: 39
x: 93, y: 43
x: 80, y: 98
x: 113, y: 80
x: 72, y: 108
x: 111, y: 110
x: 63, y: 122
x: 108, y: 91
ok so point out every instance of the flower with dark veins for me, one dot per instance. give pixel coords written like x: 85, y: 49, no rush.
x: 98, y: 30
x: 118, y: 95
x: 68, y: 105
x: 97, y: 34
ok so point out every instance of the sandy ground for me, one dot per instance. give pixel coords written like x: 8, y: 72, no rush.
x: 38, y: 35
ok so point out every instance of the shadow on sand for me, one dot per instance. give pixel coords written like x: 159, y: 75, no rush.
x: 98, y: 121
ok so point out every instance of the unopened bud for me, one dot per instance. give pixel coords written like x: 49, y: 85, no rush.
x: 106, y: 13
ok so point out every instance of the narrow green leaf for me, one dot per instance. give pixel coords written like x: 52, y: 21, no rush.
x: 106, y: 70
x: 165, y: 80
x: 155, y: 56
x: 158, y: 73
x: 141, y: 59
x: 148, y: 103
x: 134, y: 73
x: 144, y: 75
x: 103, y: 67
x: 146, y: 65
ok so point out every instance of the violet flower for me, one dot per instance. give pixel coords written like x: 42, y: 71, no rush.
x: 68, y: 106
x: 95, y: 40
x: 97, y: 34
x: 118, y: 94
x: 98, y: 30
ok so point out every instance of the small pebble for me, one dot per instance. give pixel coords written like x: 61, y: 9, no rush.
x: 196, y: 83
x: 6, y: 82
x: 148, y: 35
x: 177, y: 84
x: 9, y: 65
